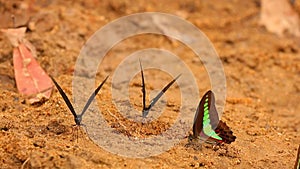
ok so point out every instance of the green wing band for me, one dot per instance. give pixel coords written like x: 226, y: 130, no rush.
x: 207, y: 128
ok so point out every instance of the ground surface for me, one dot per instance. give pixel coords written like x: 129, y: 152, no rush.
x: 262, y: 72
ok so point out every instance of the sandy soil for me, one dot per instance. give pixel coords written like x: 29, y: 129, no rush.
x: 262, y: 72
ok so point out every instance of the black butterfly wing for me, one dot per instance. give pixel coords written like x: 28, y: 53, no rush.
x: 225, y: 133
x: 64, y: 96
x: 93, y: 95
x: 156, y: 98
x: 198, y: 119
x: 143, y: 87
x: 218, y: 125
x: 213, y: 113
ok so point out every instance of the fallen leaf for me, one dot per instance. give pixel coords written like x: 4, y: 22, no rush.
x: 32, y: 81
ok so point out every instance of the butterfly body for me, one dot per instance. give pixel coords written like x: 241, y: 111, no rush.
x: 78, y: 117
x: 207, y: 125
x: 145, y: 112
x: 78, y: 120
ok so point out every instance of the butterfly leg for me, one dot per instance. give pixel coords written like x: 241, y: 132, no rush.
x: 195, y: 143
x: 85, y: 128
x: 74, y: 133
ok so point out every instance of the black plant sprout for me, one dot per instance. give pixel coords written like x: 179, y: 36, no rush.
x: 146, y: 109
x: 78, y: 117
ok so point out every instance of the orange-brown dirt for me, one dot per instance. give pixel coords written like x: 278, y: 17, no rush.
x: 262, y: 72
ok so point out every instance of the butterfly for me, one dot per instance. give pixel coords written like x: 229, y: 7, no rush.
x: 297, y: 163
x: 78, y: 117
x: 207, y: 125
x: 146, y: 109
